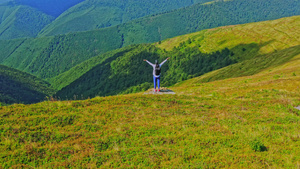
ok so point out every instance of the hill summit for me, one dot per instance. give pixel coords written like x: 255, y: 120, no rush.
x: 243, y: 122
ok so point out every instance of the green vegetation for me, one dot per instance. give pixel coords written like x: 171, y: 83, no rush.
x: 217, y: 120
x: 127, y: 69
x: 20, y: 87
x: 77, y: 71
x: 192, y: 55
x: 253, y: 66
x: 18, y: 21
x: 245, y: 122
x: 107, y: 13
x: 3, y: 1
x: 50, y: 56
x: 50, y: 7
x: 36, y: 15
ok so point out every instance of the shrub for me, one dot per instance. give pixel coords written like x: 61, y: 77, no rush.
x: 257, y: 145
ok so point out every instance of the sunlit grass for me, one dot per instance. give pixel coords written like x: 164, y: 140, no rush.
x: 246, y: 122
x: 259, y: 38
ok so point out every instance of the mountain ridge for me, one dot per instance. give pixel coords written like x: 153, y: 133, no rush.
x: 101, y: 14
x: 19, y: 21
x: 185, y: 51
x: 64, y: 51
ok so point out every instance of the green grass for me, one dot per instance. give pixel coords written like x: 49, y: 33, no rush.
x: 240, y: 122
x: 257, y: 38
x: 226, y: 122
x: 253, y: 66
x: 246, y: 122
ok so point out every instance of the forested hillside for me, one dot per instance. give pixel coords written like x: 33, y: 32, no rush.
x: 192, y: 55
x: 50, y: 7
x: 20, y: 87
x: 95, y: 14
x: 88, y: 15
x: 18, y: 21
x: 50, y: 56
x: 47, y: 57
x: 3, y: 1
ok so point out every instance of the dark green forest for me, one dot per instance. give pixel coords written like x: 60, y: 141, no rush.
x: 125, y: 71
x: 18, y: 21
x: 48, y: 57
x: 97, y: 14
x: 20, y: 87
x: 50, y: 7
x: 3, y: 1
x: 28, y: 18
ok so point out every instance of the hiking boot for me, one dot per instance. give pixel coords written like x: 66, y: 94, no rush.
x: 155, y: 90
x: 158, y: 90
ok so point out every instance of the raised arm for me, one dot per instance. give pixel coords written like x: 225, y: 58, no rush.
x: 163, y: 62
x: 149, y: 62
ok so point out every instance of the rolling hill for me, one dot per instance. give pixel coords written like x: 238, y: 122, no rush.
x: 91, y: 14
x: 20, y: 87
x: 48, y: 57
x: 50, y: 7
x: 242, y: 122
x: 19, y: 21
x: 26, y: 18
x: 85, y: 15
x: 123, y: 71
x: 3, y: 1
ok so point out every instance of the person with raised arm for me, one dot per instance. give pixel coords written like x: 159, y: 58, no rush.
x: 156, y: 73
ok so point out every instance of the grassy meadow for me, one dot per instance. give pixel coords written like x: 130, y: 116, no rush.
x: 241, y: 122
x: 257, y: 38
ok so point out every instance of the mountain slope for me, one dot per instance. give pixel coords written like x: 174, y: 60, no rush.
x: 191, y: 55
x: 48, y: 57
x: 245, y: 122
x: 127, y: 69
x: 18, y: 21
x: 50, y: 7
x: 3, y: 1
x: 20, y: 87
x: 91, y: 14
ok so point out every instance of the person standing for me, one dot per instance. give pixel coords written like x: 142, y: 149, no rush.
x: 156, y: 73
